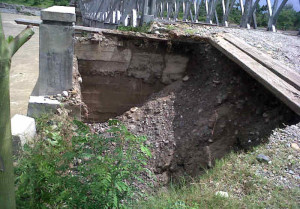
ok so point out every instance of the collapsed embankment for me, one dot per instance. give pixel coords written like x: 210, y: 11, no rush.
x: 193, y: 104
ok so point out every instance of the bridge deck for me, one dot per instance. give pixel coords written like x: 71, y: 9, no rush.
x: 281, y: 81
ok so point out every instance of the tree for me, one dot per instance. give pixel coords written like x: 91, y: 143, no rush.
x: 235, y: 15
x: 7, y: 49
x: 287, y: 18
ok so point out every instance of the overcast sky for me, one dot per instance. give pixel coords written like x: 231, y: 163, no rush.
x: 295, y: 3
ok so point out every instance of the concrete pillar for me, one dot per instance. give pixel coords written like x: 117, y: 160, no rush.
x: 56, y: 50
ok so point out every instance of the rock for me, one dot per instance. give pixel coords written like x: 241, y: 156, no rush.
x: 134, y: 109
x: 185, y: 78
x: 65, y: 93
x: 23, y: 131
x: 262, y: 158
x: 222, y: 194
x: 295, y: 146
x: 80, y: 80
x: 58, y: 95
x: 156, y: 32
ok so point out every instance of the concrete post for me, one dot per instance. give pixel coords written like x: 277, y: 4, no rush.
x: 56, y: 50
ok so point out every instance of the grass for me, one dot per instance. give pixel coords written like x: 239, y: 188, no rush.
x: 190, y: 31
x: 237, y: 175
x: 145, y: 28
x: 37, y: 3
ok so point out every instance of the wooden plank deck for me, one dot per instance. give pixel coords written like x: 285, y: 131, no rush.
x: 276, y: 79
x: 275, y: 66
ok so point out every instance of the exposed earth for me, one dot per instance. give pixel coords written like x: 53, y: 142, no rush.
x: 216, y: 108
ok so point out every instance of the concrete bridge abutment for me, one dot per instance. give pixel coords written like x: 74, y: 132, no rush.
x: 56, y: 53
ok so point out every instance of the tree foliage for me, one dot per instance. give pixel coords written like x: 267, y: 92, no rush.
x: 288, y: 19
x: 38, y: 3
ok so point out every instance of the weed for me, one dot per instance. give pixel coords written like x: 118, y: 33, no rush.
x: 145, y: 28
x: 68, y: 166
x: 18, y: 9
x: 235, y: 174
x: 171, y: 27
x: 190, y: 31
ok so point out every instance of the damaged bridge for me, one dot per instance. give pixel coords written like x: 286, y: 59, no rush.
x: 195, y: 95
x: 283, y: 82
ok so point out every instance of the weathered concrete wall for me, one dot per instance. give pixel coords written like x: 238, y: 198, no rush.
x: 119, y: 73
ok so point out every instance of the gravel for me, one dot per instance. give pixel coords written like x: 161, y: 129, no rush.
x: 284, y: 167
x: 282, y: 47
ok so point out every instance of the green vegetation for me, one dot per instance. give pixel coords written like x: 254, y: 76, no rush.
x: 190, y: 31
x: 288, y: 19
x: 237, y: 175
x: 68, y: 166
x: 145, y: 28
x: 38, y: 3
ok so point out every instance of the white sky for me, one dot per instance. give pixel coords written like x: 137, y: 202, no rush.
x: 295, y: 3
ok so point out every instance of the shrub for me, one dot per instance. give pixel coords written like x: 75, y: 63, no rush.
x: 80, y: 169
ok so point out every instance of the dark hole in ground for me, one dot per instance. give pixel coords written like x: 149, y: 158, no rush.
x: 109, y: 96
x: 189, y: 124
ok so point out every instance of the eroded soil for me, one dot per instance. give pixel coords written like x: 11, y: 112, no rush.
x: 216, y: 109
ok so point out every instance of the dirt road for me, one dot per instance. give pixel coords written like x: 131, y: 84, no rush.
x: 25, y: 64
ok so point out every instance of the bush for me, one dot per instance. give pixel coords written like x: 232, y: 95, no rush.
x: 80, y: 169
